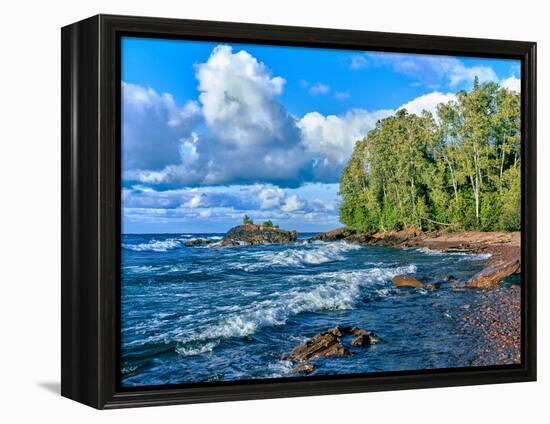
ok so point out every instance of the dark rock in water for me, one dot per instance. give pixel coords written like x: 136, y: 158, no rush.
x: 257, y: 234
x: 362, y: 337
x: 337, y: 331
x: 361, y: 341
x: 322, y: 344
x: 450, y: 279
x: 197, y: 242
x: 432, y: 286
x: 357, y: 331
x: 334, y: 235
x: 305, y: 368
x: 329, y: 343
x: 492, y: 276
x: 407, y: 281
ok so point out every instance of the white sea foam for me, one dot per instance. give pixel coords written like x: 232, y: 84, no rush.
x: 141, y: 269
x: 189, y: 351
x: 154, y: 245
x: 280, y: 368
x: 463, y: 255
x: 321, y: 253
x: 128, y: 369
x: 332, y: 291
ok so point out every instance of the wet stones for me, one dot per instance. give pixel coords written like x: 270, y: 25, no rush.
x: 197, y: 242
x: 492, y: 276
x: 305, y: 368
x: 407, y: 281
x: 322, y: 344
x: 329, y: 343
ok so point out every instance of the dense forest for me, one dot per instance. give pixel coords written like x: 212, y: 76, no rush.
x: 458, y: 170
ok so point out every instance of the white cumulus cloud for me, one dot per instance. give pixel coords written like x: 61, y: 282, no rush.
x: 332, y: 137
x: 428, y: 102
x: 153, y: 126
x: 512, y: 84
x: 194, y: 202
x: 270, y: 197
x: 238, y: 99
x: 293, y: 203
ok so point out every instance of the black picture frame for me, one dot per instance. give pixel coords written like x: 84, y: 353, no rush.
x: 90, y: 177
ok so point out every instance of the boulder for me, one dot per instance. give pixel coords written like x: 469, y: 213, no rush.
x: 333, y: 235
x: 329, y: 343
x: 251, y: 234
x: 492, y: 276
x: 361, y: 341
x: 362, y: 337
x: 337, y: 331
x: 305, y: 368
x: 432, y: 286
x: 450, y: 279
x: 322, y: 344
x: 407, y: 281
x: 197, y: 242
x: 357, y: 331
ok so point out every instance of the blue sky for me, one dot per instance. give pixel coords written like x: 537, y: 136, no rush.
x: 212, y: 131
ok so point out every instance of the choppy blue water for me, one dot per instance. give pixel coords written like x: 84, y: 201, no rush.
x: 197, y: 314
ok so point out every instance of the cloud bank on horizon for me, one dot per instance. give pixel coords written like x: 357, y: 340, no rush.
x: 237, y: 147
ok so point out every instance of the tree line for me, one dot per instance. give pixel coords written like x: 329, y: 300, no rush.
x: 458, y: 170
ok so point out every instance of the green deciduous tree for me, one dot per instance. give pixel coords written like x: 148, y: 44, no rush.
x: 459, y: 170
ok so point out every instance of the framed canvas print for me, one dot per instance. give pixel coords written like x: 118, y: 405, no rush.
x: 253, y: 211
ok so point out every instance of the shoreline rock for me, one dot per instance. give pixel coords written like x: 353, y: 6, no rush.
x: 322, y: 344
x: 504, y: 248
x: 407, y: 281
x: 252, y: 234
x: 491, y: 277
x: 329, y: 343
x: 334, y: 235
x: 197, y: 242
x: 305, y: 368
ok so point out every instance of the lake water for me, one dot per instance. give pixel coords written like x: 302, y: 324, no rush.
x: 198, y: 314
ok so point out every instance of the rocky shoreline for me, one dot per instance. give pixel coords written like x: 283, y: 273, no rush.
x: 496, y: 320
x: 503, y: 247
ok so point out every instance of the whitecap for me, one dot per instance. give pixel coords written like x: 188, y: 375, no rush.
x: 332, y: 291
x: 280, y: 368
x: 463, y: 255
x: 185, y: 351
x: 141, y: 269
x: 154, y: 245
x: 300, y: 257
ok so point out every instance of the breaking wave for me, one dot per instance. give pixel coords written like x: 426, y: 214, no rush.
x: 154, y: 245
x: 331, y: 291
x: 320, y: 254
x: 463, y: 255
x: 167, y: 244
